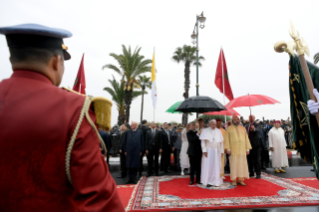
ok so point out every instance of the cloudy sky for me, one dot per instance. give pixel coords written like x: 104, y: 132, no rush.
x: 247, y: 31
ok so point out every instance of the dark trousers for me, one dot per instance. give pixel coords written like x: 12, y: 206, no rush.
x: 165, y: 160
x: 132, y: 172
x: 123, y: 164
x: 177, y: 152
x: 152, y: 157
x: 227, y: 167
x: 254, y: 161
x: 265, y: 158
x: 196, y: 165
x: 141, y: 169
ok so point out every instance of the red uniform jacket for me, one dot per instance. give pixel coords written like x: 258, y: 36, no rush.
x: 37, y: 120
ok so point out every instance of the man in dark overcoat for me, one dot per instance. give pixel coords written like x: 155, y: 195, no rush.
x: 168, y: 148
x: 194, y: 153
x: 153, y: 147
x: 133, y: 148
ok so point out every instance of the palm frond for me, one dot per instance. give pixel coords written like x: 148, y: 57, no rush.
x: 316, y: 58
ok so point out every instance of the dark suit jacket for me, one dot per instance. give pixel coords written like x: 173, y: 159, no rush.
x: 258, y: 129
x: 144, y: 129
x: 157, y: 144
x: 105, y: 138
x: 194, y: 143
x: 165, y: 143
x: 121, y: 143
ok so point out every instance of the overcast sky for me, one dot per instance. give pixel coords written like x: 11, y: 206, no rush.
x: 247, y: 31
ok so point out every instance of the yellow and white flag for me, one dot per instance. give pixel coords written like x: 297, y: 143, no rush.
x: 154, y: 87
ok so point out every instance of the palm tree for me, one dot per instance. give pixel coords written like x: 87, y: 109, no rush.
x: 131, y: 65
x: 186, y: 54
x: 118, y: 95
x: 316, y: 58
x: 144, y: 82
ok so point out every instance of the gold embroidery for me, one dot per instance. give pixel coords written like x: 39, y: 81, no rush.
x: 305, y: 120
x: 297, y: 78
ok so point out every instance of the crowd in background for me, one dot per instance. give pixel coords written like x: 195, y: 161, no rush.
x: 163, y: 140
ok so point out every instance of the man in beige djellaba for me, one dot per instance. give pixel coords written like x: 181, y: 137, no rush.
x: 237, y: 146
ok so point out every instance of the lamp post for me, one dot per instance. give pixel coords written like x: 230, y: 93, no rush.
x: 200, y: 19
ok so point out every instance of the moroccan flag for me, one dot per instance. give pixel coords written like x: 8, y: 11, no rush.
x: 305, y: 127
x: 222, y: 75
x: 79, y: 85
x: 154, y: 87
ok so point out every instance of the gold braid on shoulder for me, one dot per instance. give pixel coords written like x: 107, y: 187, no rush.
x: 102, y: 110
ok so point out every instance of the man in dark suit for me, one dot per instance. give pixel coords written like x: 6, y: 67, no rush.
x: 144, y: 129
x: 124, y: 128
x: 168, y: 148
x: 194, y: 153
x: 153, y: 147
x: 133, y: 148
x: 264, y: 152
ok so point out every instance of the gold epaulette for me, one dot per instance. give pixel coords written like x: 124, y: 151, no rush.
x: 102, y: 109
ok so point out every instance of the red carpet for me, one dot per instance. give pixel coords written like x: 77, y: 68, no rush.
x: 125, y: 192
x: 254, y: 188
x: 172, y: 193
x: 312, y: 182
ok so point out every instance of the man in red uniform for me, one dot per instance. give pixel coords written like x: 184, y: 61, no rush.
x: 37, y: 122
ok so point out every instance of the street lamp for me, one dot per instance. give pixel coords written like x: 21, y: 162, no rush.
x: 201, y: 19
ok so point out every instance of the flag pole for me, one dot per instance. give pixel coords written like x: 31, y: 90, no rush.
x: 223, y: 78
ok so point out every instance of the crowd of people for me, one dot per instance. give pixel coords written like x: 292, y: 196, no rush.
x: 206, y: 151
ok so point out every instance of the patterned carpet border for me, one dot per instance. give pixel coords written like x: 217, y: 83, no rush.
x: 302, y: 178
x: 146, y: 197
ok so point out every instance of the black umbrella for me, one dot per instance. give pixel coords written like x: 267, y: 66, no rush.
x: 200, y: 104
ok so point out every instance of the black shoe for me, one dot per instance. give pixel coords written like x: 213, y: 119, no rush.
x: 133, y: 182
x: 191, y: 182
x: 140, y: 174
x: 148, y: 175
x: 263, y: 168
x: 208, y: 186
x: 251, y: 175
x: 198, y: 182
x: 312, y: 170
x: 157, y: 174
x: 168, y: 171
x: 258, y: 177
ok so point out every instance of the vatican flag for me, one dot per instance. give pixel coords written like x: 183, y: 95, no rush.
x: 154, y: 87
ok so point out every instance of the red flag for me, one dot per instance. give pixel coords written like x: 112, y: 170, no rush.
x: 79, y: 85
x: 221, y: 74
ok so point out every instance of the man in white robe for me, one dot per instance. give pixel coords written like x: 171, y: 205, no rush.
x: 277, y: 144
x: 213, y: 150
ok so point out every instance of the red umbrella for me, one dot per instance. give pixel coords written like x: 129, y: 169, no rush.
x: 228, y: 112
x: 250, y: 101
